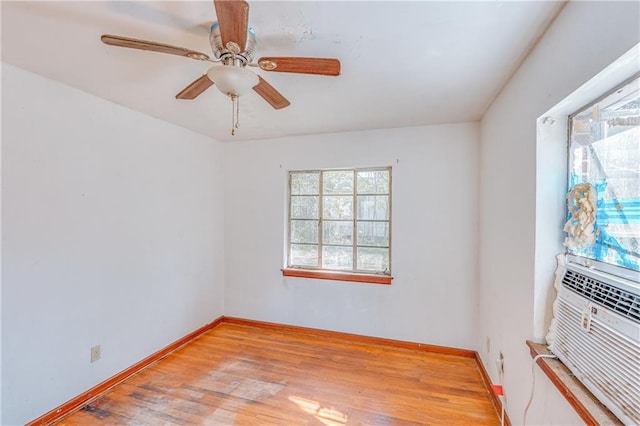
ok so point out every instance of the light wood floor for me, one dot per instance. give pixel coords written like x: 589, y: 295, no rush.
x: 242, y: 375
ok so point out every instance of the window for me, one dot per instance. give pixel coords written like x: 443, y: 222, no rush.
x: 340, y: 221
x: 604, y: 151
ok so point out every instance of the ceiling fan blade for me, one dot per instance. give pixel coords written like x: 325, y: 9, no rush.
x: 322, y: 66
x: 233, y: 19
x: 270, y: 94
x: 194, y: 89
x: 133, y: 43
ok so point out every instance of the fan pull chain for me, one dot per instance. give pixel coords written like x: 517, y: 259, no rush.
x: 235, y: 110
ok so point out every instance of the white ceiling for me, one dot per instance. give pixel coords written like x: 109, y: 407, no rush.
x: 403, y: 63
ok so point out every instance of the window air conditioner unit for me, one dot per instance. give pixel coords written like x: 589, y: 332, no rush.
x: 597, y: 336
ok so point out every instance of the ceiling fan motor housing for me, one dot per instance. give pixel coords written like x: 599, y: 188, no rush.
x: 221, y: 52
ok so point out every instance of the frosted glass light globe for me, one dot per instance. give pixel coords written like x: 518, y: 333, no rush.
x: 232, y: 80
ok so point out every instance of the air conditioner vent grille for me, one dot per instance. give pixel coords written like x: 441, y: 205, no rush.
x: 613, y: 373
x: 617, y: 300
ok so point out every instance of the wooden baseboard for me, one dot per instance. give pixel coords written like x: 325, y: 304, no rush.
x: 96, y: 391
x: 352, y: 337
x: 497, y: 404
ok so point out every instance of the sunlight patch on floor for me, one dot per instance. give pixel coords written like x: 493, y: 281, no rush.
x: 328, y: 416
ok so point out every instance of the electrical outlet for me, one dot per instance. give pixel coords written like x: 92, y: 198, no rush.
x: 488, y: 344
x: 500, y: 362
x: 95, y: 353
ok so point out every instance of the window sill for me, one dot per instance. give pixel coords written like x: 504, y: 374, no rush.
x: 337, y: 276
x: 579, y: 397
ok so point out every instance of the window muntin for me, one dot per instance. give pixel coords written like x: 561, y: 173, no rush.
x: 604, y: 150
x: 340, y: 220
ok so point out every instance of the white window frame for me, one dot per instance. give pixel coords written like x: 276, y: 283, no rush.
x: 355, y: 221
x: 606, y: 267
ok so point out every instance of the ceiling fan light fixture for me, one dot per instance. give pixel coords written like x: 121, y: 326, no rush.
x: 233, y: 44
x: 232, y: 80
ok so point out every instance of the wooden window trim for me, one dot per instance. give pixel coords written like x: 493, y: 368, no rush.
x: 587, y: 406
x: 337, y: 276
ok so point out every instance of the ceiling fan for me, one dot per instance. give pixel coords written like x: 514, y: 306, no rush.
x: 233, y: 44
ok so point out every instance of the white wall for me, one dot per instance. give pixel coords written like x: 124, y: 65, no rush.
x: 0, y: 245
x: 584, y: 39
x: 434, y: 256
x: 112, y: 235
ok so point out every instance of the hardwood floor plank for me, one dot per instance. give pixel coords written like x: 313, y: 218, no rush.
x: 237, y: 374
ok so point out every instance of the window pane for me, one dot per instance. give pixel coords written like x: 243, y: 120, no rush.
x: 304, y: 231
x: 304, y: 255
x: 305, y: 183
x: 605, y: 152
x: 373, y: 182
x: 373, y: 259
x: 335, y: 257
x: 337, y: 232
x: 334, y: 213
x: 304, y: 207
x: 337, y: 207
x: 337, y: 182
x: 373, y: 234
x: 373, y: 207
